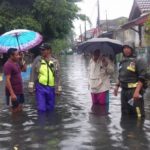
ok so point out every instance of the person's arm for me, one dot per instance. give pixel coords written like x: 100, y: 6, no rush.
x: 58, y: 78
x: 33, y: 74
x: 116, y: 88
x: 110, y: 66
x: 136, y: 94
x: 8, y: 69
x: 24, y: 67
x: 141, y: 67
x: 22, y: 63
x: 88, y: 72
x: 107, y: 65
x: 9, y: 87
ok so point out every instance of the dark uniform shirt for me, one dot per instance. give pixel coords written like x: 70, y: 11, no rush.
x: 131, y: 70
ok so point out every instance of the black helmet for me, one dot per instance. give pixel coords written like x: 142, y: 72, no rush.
x: 131, y: 46
x: 45, y: 46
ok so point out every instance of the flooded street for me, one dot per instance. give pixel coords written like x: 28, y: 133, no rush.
x: 74, y: 124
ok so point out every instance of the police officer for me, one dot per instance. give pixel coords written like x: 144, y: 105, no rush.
x: 132, y: 73
x: 45, y: 72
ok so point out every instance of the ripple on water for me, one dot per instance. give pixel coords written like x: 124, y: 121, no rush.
x: 74, y: 124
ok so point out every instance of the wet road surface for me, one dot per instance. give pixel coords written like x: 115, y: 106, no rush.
x: 75, y: 124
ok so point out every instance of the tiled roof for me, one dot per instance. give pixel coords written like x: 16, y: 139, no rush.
x: 138, y: 21
x: 144, y: 5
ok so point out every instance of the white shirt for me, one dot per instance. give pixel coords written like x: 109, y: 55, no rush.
x: 99, y: 75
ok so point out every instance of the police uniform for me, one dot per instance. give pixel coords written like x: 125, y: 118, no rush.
x: 44, y: 78
x: 131, y: 70
x: 45, y: 91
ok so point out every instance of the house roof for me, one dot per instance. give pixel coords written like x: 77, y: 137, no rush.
x: 138, y: 21
x: 139, y: 7
x: 139, y: 13
x: 144, y: 5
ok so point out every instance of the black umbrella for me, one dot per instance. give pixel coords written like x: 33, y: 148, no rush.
x: 105, y: 45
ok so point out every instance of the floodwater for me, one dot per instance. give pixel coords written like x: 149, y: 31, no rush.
x: 75, y: 124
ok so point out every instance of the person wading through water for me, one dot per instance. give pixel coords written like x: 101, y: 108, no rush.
x: 14, y: 85
x: 132, y: 72
x: 45, y: 78
x: 99, y: 70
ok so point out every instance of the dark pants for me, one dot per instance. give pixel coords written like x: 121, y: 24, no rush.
x: 19, y: 100
x: 126, y: 108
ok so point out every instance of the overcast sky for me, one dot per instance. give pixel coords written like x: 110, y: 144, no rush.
x: 114, y: 9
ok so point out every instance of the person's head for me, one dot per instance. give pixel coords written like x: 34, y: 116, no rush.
x: 13, y: 54
x: 45, y: 50
x: 96, y: 54
x: 128, y: 50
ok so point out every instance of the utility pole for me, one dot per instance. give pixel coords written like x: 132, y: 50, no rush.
x: 106, y: 21
x: 85, y: 30
x: 98, y: 16
x: 81, y: 33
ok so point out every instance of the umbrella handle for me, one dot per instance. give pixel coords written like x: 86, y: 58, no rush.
x: 18, y: 42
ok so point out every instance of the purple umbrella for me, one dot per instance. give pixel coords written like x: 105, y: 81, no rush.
x: 21, y: 39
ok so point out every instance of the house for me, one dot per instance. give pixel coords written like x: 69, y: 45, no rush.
x: 110, y: 27
x: 93, y: 32
x: 134, y: 29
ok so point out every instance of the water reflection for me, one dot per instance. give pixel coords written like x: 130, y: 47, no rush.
x: 133, y: 133
x: 100, y: 110
x: 100, y: 120
x: 74, y: 124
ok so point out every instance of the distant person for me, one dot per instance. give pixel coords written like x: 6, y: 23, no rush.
x: 45, y: 78
x: 99, y: 70
x: 14, y: 85
x: 132, y: 73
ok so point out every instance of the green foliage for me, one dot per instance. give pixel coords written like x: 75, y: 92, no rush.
x: 3, y: 22
x: 52, y: 18
x: 74, y: 1
x: 59, y: 44
x: 147, y: 31
x: 56, y: 17
x: 84, y: 18
x: 26, y: 22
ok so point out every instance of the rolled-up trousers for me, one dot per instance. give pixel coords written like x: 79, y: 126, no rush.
x: 45, y: 97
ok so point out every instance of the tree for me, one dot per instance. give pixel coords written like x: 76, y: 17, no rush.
x: 52, y: 18
x: 56, y: 17
x: 147, y: 31
x: 26, y: 22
